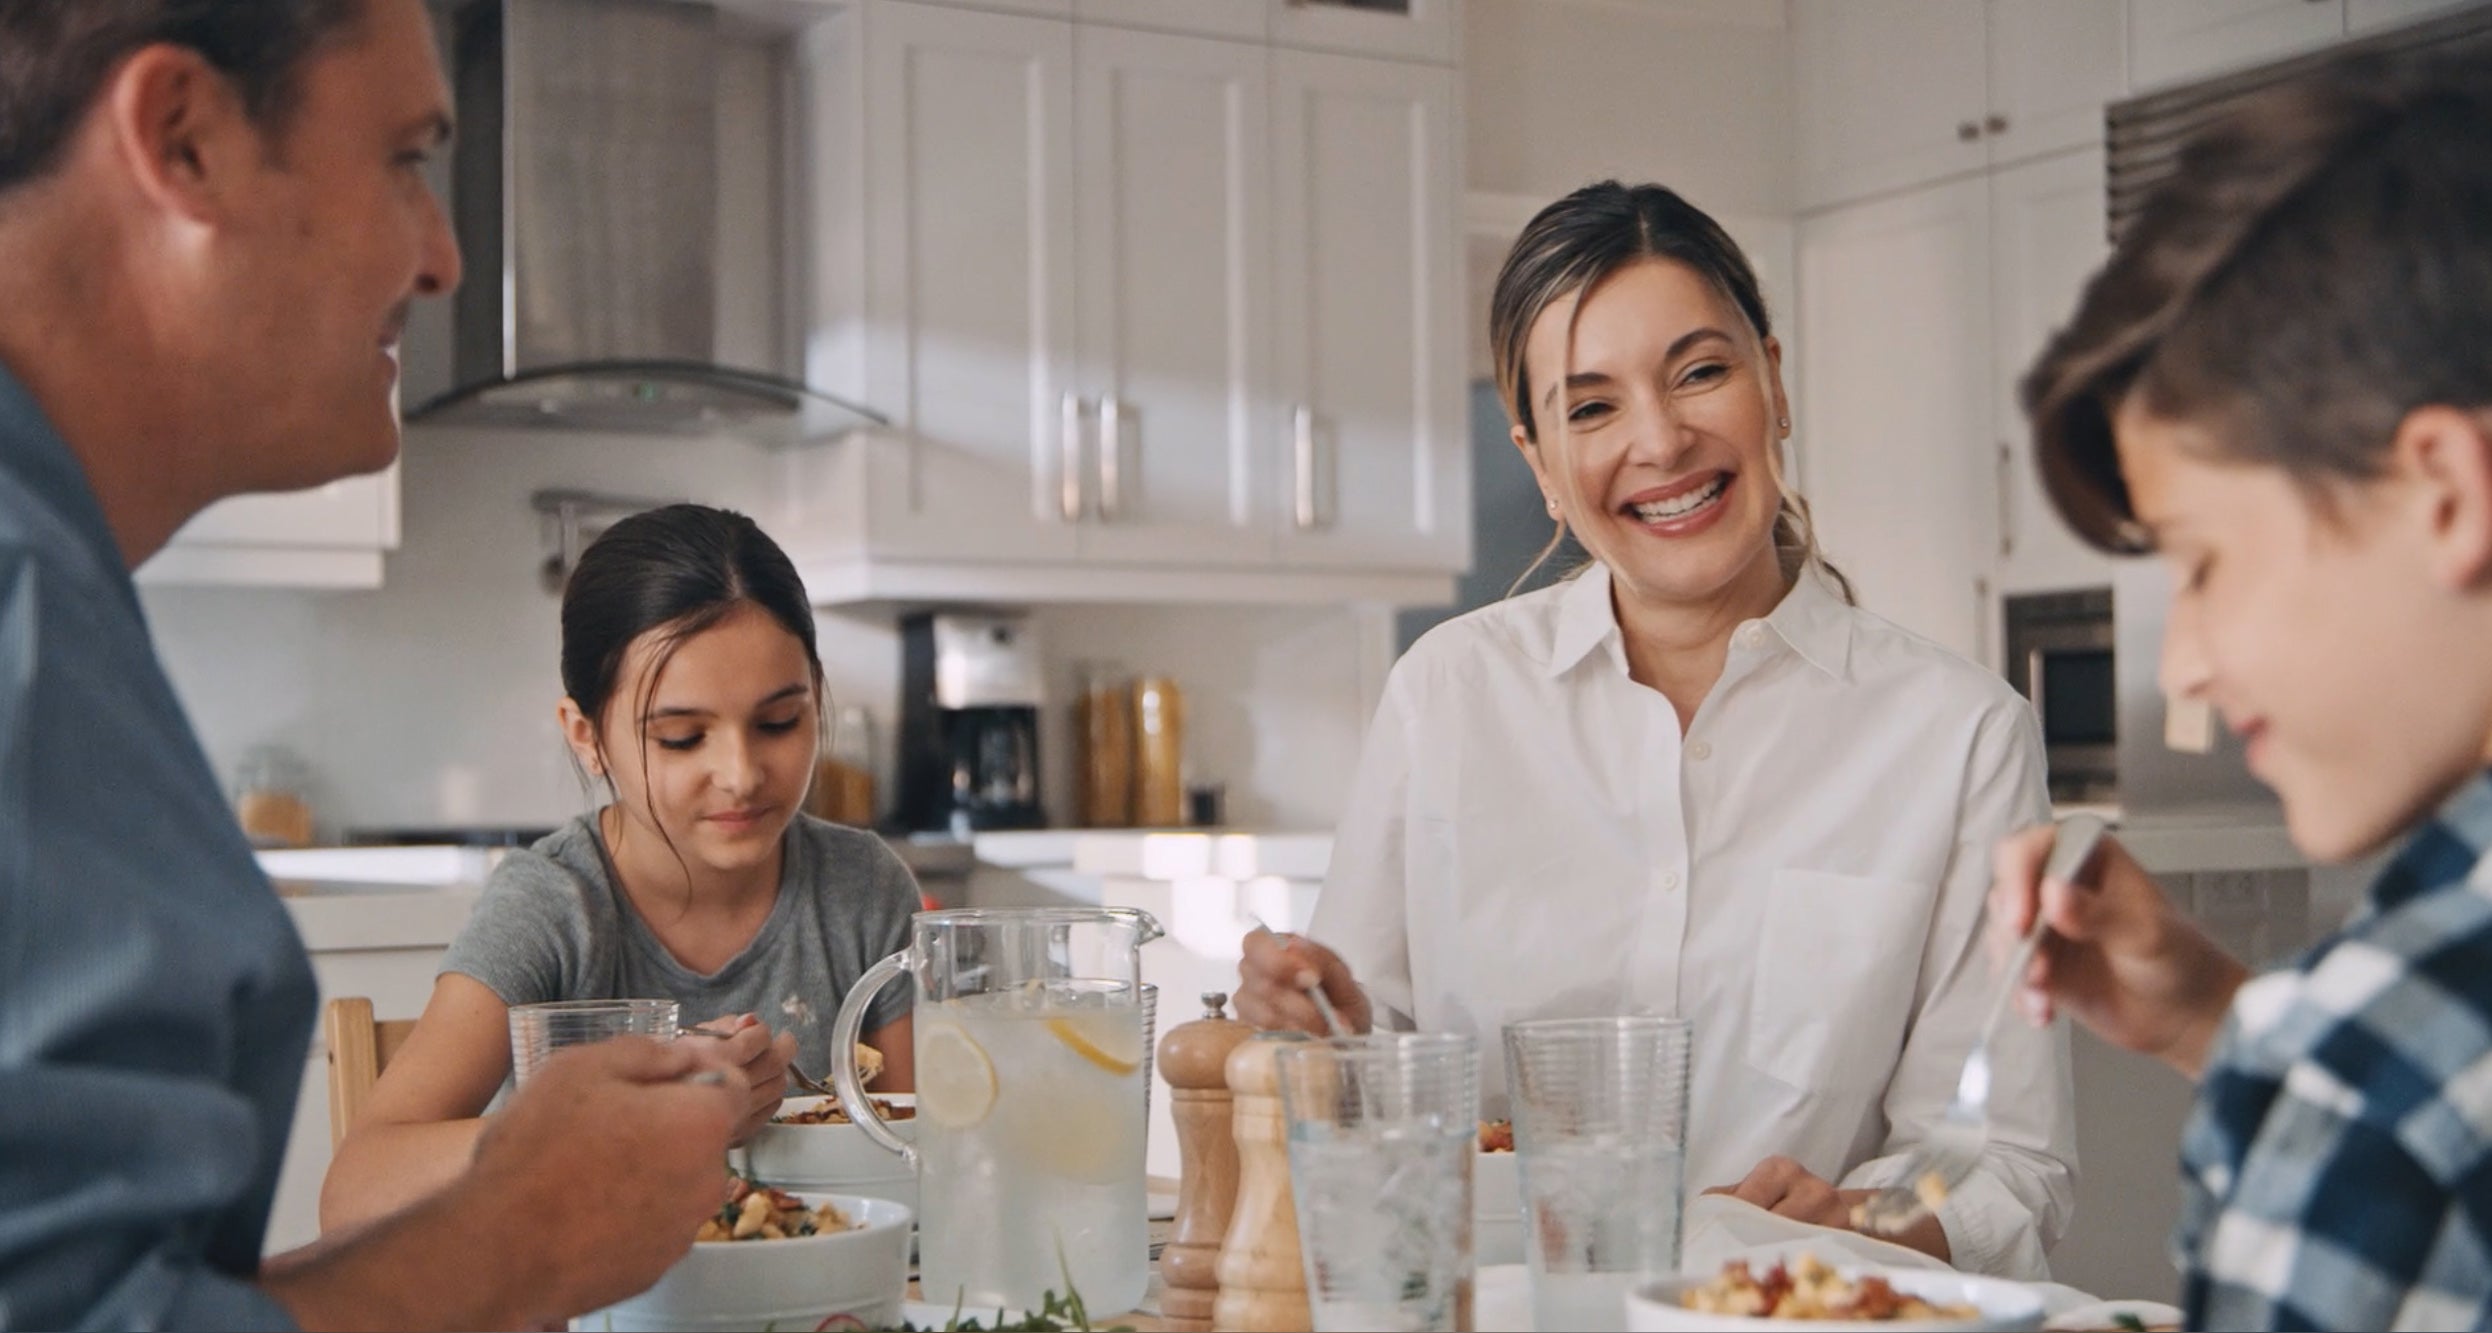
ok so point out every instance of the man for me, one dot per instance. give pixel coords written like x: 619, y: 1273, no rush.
x: 211, y: 224
x: 2282, y: 384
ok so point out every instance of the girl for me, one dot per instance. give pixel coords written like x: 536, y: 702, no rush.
x: 1694, y: 779
x: 692, y: 691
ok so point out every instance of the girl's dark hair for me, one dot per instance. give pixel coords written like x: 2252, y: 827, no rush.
x: 55, y: 54
x: 2319, y: 266
x: 1574, y: 244
x: 675, y: 570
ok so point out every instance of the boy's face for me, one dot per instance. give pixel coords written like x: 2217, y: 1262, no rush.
x: 2328, y: 637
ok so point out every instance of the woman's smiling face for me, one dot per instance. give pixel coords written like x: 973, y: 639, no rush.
x: 1658, y: 409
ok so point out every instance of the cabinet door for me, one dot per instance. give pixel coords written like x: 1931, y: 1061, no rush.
x: 1891, y: 93
x: 1401, y: 29
x: 352, y: 512
x: 1176, y: 303
x: 2366, y: 15
x: 1894, y: 417
x: 2171, y: 41
x: 1240, y: 20
x: 1372, y: 433
x: 2053, y: 67
x: 2046, y: 226
x: 969, y: 172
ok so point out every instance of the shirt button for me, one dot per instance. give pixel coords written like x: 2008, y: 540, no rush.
x: 1700, y: 752
x: 1669, y: 879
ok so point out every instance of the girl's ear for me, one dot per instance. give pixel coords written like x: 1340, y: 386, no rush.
x: 579, y: 731
x: 2447, y: 451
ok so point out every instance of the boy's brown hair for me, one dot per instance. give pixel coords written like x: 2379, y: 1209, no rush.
x: 2319, y: 266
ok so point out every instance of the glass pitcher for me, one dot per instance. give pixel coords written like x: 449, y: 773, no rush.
x: 1030, y: 1102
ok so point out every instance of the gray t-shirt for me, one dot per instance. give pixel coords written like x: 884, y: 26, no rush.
x: 551, y: 925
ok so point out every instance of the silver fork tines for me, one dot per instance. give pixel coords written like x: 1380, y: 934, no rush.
x: 1954, y: 1145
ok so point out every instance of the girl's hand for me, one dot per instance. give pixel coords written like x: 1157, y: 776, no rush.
x: 747, y: 1043
x: 1785, y: 1188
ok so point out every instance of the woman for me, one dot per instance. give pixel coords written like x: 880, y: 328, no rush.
x: 1694, y: 780
x: 694, y: 693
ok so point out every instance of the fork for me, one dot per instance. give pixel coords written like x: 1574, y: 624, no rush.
x: 1953, y: 1147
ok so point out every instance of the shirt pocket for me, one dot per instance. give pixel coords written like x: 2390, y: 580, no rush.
x: 1838, y: 961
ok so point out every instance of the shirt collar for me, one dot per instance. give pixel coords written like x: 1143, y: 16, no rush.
x: 1810, y: 619
x: 33, y: 452
x: 2450, y: 849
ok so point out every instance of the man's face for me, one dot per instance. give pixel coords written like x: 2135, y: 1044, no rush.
x: 336, y: 238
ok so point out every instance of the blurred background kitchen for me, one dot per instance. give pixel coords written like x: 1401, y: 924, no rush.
x: 1112, y: 370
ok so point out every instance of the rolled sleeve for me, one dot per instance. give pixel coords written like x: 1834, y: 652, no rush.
x: 1363, y: 912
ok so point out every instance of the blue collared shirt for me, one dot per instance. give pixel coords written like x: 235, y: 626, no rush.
x: 2338, y: 1167
x: 155, y: 1001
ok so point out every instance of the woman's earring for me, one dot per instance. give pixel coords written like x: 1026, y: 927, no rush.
x: 1786, y: 425
x: 1553, y: 508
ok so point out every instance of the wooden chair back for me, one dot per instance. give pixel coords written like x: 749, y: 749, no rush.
x: 358, y: 1048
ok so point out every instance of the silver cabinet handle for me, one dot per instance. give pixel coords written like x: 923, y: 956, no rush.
x: 1111, y: 457
x: 1995, y: 123
x: 1968, y: 130
x: 1302, y: 438
x: 1069, y: 461
x: 2007, y: 500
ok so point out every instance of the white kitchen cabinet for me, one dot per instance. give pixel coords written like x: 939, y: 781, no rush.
x: 1091, y: 272
x: 1424, y: 30
x: 331, y: 536
x: 1893, y: 94
x: 1367, y: 177
x: 969, y: 263
x: 1894, y: 369
x: 1175, y: 298
x: 1237, y: 20
x: 2173, y: 41
x: 2047, y: 239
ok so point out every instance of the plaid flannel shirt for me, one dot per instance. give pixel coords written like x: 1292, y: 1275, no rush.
x: 2338, y: 1166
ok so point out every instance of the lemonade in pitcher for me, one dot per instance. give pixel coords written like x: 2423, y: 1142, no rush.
x: 1030, y: 1113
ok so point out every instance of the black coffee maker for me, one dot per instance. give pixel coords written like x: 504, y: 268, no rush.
x: 969, y: 703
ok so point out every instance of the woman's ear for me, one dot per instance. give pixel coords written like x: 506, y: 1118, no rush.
x: 579, y: 731
x: 1781, y: 402
x: 1540, y: 472
x: 2447, y: 452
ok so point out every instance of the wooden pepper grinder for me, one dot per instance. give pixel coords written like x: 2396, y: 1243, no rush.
x: 1194, y: 1058
x: 1263, y: 1283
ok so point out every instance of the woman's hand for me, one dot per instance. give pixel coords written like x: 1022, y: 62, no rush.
x: 1785, y: 1188
x: 1272, y: 982
x: 746, y: 1042
x: 2119, y: 958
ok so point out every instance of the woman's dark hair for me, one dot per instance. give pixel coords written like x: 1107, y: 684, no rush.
x: 2319, y: 266
x: 676, y: 571
x: 55, y: 55
x: 1569, y: 248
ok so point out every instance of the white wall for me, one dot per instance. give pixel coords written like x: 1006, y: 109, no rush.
x: 431, y: 700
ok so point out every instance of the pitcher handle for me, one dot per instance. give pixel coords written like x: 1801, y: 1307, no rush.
x: 844, y: 1033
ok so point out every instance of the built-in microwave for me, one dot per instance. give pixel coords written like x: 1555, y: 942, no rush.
x: 2059, y: 655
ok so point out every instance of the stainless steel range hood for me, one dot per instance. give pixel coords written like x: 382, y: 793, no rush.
x: 586, y: 193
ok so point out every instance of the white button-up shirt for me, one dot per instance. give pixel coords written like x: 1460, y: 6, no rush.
x: 1801, y: 874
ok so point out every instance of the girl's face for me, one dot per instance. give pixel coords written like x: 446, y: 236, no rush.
x: 1671, y: 409
x: 729, y: 733
x: 2341, y: 644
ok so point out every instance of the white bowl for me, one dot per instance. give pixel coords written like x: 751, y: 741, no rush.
x: 792, y: 1284
x: 1496, y: 1209
x: 834, y: 1158
x: 2001, y: 1304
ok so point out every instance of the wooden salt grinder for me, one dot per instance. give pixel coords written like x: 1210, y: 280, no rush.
x: 1194, y: 1058
x: 1263, y: 1284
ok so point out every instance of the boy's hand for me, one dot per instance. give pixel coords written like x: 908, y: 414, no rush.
x: 2119, y: 958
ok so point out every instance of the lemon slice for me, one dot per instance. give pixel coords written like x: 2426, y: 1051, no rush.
x: 955, y: 1079
x: 1094, y: 1045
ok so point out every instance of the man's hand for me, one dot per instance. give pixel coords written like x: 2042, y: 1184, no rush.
x: 2119, y: 958
x: 596, y: 1174
x: 1272, y: 981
